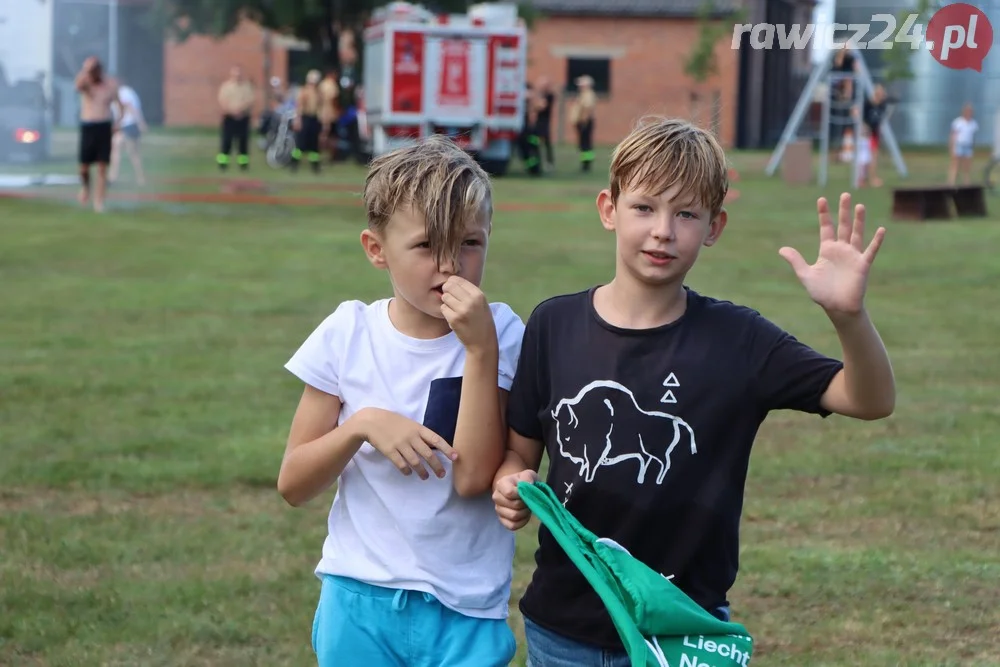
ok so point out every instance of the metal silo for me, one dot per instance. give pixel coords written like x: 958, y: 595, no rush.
x: 934, y: 97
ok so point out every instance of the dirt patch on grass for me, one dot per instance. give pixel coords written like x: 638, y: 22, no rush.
x: 222, y: 181
x: 274, y: 567
x: 258, y: 198
x: 176, y: 504
x: 140, y: 529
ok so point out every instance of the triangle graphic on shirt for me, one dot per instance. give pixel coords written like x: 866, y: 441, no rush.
x: 668, y: 397
x: 671, y: 381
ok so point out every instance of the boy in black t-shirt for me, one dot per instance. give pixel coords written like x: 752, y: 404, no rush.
x: 647, y: 396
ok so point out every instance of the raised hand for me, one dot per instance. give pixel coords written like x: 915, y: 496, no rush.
x: 406, y: 443
x: 511, y: 510
x: 467, y: 312
x: 838, y: 279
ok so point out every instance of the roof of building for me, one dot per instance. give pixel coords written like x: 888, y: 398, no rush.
x: 633, y: 8
x: 647, y: 8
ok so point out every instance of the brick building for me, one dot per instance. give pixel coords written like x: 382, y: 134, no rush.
x: 194, y: 70
x: 635, y: 51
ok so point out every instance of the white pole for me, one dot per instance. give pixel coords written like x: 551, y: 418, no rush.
x: 996, y: 136
x: 824, y: 143
x: 113, y: 37
x: 858, y: 105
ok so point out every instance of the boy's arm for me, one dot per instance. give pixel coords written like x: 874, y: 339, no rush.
x: 490, y: 347
x: 522, y: 454
x: 865, y: 387
x: 317, y: 450
x: 479, y: 433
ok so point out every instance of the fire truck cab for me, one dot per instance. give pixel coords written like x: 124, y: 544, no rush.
x: 462, y: 75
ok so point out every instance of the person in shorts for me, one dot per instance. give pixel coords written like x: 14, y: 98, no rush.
x: 402, y: 409
x: 873, y: 115
x: 131, y: 126
x: 98, y: 98
x: 962, y: 145
x: 647, y: 396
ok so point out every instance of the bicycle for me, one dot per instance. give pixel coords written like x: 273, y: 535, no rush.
x: 991, y: 175
x: 281, y: 141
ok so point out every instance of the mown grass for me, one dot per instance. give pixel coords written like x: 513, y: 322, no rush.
x: 143, y: 412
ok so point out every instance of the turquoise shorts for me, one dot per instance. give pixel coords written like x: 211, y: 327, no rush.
x: 361, y: 624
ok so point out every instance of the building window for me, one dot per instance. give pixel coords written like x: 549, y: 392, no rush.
x: 598, y: 67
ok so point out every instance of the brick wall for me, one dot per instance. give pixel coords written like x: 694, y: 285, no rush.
x: 647, y: 76
x: 194, y: 70
x: 647, y: 72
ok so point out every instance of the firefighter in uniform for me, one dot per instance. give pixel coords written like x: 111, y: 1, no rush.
x: 236, y: 98
x: 582, y: 117
x: 308, y: 127
x: 529, y: 143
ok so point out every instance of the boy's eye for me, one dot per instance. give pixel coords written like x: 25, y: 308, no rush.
x: 643, y: 208
x: 425, y: 244
x: 687, y: 215
x: 472, y: 242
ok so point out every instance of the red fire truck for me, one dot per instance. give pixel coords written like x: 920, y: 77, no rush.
x: 462, y: 75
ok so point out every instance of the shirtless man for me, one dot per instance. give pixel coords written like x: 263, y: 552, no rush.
x: 98, y: 94
x: 329, y: 92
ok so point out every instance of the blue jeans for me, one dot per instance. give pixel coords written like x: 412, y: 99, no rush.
x: 548, y: 649
x: 372, y: 626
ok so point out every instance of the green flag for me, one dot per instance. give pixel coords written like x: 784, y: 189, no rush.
x: 658, y: 623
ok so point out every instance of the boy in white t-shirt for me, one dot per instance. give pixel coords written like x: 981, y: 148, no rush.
x: 404, y: 408
x: 962, y: 145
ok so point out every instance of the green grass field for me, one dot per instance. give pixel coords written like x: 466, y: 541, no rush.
x: 144, y: 410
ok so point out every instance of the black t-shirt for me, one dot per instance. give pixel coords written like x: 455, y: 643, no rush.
x: 648, y: 436
x: 873, y: 115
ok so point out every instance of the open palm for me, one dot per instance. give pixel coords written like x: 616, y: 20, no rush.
x: 839, y: 277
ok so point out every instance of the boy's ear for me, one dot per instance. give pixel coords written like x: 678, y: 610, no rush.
x: 373, y: 248
x: 606, y: 207
x: 715, y: 228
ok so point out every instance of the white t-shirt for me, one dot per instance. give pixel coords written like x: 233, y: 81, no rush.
x: 397, y: 531
x: 130, y: 99
x: 964, y: 130
x: 865, y: 150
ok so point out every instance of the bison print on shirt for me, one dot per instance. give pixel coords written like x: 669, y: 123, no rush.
x: 603, y: 425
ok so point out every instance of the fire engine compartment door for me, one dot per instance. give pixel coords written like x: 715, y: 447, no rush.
x: 455, y: 80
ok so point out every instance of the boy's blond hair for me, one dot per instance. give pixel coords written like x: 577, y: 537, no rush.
x: 663, y: 152
x: 436, y: 179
